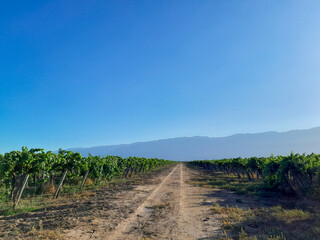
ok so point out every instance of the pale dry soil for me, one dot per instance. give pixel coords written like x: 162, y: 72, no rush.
x: 164, y: 206
x: 170, y: 209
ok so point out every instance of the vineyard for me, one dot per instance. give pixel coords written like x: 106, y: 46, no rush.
x: 294, y: 174
x: 63, y: 195
x: 39, y: 170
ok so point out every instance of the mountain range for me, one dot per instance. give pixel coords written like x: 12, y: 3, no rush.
x: 196, y: 148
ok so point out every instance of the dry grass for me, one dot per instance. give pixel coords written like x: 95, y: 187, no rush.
x: 36, y: 232
x: 271, y: 216
x: 88, y: 181
x: 49, y: 189
x: 88, y: 194
x: 161, y: 205
x: 267, y: 223
x: 233, y: 183
x: 45, y: 234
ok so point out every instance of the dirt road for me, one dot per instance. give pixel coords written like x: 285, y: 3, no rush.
x: 162, y: 204
x: 170, y: 209
x: 159, y: 205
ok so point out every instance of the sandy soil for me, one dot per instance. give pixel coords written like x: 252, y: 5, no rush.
x: 163, y: 206
x: 171, y: 209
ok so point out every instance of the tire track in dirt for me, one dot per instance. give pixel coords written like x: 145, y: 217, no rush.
x: 112, y: 207
x: 172, y: 209
x: 123, y: 230
x: 195, y: 220
x: 185, y: 217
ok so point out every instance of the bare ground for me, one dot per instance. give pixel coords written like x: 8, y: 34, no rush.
x: 171, y: 209
x: 164, y: 206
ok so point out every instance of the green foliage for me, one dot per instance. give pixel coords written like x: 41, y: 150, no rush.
x: 42, y: 165
x: 293, y: 174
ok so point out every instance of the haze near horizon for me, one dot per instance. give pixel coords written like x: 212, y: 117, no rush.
x: 94, y: 73
x: 200, y: 148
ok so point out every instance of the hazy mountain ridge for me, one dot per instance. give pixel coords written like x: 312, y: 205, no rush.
x: 191, y: 148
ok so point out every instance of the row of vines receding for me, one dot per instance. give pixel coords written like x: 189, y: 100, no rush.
x: 293, y: 174
x: 38, y: 169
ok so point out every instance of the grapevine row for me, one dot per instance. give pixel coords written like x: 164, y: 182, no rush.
x: 292, y: 174
x: 18, y: 167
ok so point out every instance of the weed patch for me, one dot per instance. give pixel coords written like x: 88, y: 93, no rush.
x: 267, y: 223
x: 233, y: 183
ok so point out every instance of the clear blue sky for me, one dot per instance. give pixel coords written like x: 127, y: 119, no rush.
x: 85, y: 73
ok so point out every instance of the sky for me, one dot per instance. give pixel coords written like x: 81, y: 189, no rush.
x: 86, y: 73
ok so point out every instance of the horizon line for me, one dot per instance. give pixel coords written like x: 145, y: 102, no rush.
x: 161, y: 139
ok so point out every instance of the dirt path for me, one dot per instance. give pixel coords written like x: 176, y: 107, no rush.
x: 195, y: 219
x: 171, y: 209
x: 161, y: 205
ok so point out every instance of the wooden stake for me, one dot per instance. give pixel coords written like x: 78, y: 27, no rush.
x: 84, y: 179
x: 60, y: 184
x: 20, y: 191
